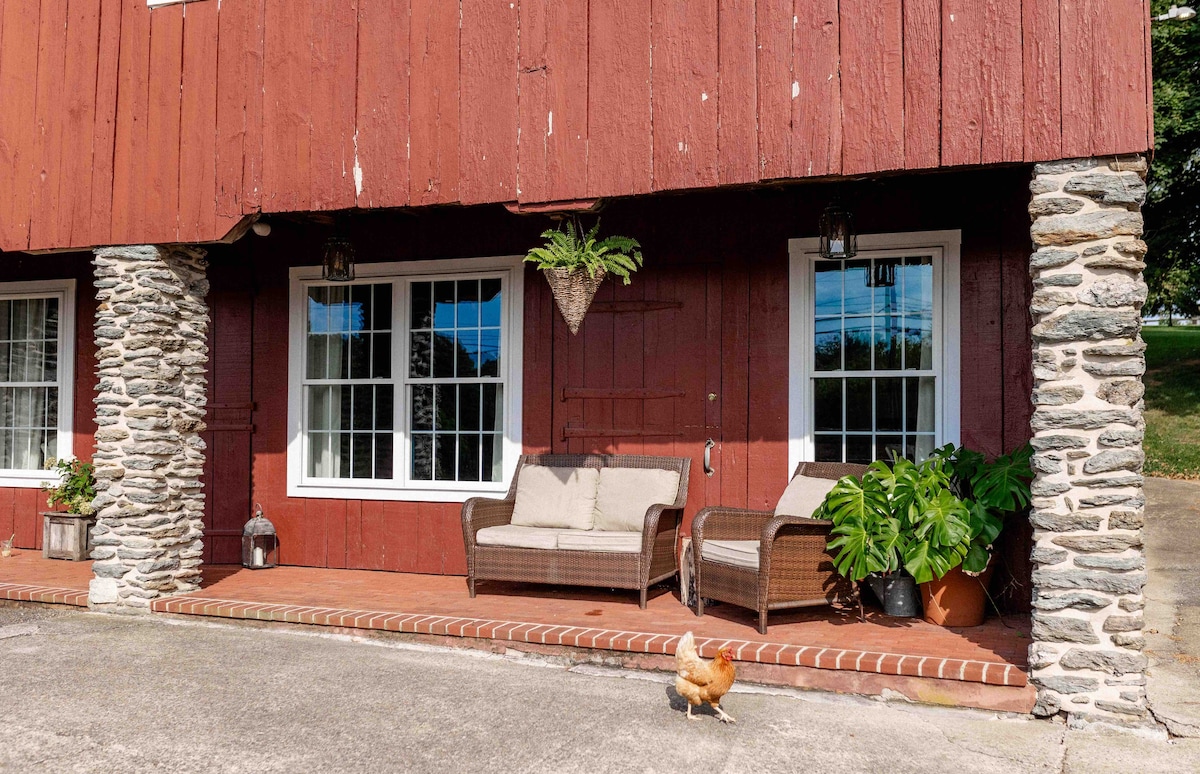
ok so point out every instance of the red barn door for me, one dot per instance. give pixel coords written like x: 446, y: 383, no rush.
x: 230, y: 410
x: 643, y: 374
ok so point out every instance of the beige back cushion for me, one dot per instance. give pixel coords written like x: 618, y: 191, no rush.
x: 625, y: 494
x: 562, y: 498
x: 803, y: 496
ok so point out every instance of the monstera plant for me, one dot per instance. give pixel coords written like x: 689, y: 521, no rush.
x: 925, y: 519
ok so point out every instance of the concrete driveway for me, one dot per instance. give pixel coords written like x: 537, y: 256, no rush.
x: 88, y: 692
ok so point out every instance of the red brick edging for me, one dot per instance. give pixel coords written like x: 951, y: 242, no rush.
x: 46, y: 594
x: 970, y: 671
x: 990, y: 673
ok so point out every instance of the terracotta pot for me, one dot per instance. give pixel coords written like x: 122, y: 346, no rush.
x: 956, y: 599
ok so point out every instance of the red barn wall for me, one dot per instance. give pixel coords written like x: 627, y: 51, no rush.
x: 20, y: 508
x: 125, y: 125
x: 708, y: 314
x: 718, y: 261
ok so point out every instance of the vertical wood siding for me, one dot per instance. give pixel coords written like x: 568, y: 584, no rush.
x: 707, y: 316
x: 123, y: 124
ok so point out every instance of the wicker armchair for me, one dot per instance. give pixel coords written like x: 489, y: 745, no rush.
x: 794, y: 567
x: 657, y: 561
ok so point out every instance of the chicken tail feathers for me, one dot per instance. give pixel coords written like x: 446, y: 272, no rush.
x: 685, y: 651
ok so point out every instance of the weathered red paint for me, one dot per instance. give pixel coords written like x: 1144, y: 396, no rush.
x: 1043, y: 83
x: 684, y: 94
x: 434, y: 98
x: 872, y: 42
x: 619, y: 125
x: 380, y: 144
x: 129, y: 125
x: 198, y: 122
x: 923, y: 83
x: 488, y: 107
x: 737, y: 92
x: 816, y: 141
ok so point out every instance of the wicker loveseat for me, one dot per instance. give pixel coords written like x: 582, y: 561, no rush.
x: 624, y: 560
x: 768, y: 561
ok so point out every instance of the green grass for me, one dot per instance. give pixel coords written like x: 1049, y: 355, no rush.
x: 1172, y: 401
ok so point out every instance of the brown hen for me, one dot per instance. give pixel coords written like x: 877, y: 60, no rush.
x: 701, y: 681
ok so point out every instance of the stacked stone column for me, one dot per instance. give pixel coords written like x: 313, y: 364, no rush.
x: 151, y: 330
x: 1086, y: 658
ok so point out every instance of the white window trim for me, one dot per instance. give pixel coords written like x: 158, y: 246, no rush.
x: 64, y: 290
x: 800, y: 330
x: 511, y: 267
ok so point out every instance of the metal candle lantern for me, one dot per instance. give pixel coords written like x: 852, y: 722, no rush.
x: 260, y: 547
x: 838, y: 238
x: 882, y: 273
x: 338, y: 262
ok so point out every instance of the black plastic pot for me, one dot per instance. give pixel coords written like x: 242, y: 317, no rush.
x: 897, y: 593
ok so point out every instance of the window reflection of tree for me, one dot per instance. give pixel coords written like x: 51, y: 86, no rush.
x: 449, y: 447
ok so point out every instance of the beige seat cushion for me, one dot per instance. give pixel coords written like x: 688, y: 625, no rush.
x: 739, y: 553
x: 518, y: 537
x: 625, y: 494
x: 803, y: 496
x: 596, y: 540
x: 559, y: 498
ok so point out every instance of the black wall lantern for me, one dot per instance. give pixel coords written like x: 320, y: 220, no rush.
x: 338, y: 262
x: 839, y: 240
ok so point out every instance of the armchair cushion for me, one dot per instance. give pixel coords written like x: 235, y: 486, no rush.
x: 598, y: 540
x: 803, y: 496
x: 560, y: 498
x: 739, y: 553
x: 625, y: 494
x: 513, y: 536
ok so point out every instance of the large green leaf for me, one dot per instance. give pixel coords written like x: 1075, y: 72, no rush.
x: 984, y: 525
x: 943, y: 520
x: 976, y: 560
x: 925, y: 561
x: 857, y: 554
x: 1003, y: 484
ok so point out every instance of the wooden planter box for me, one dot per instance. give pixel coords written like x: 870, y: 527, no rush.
x: 67, y: 536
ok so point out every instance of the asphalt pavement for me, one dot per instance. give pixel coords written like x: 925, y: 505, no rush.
x: 84, y: 692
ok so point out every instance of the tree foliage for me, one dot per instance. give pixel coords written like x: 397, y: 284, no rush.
x: 1173, y: 204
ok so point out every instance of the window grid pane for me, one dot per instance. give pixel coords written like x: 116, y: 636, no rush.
x: 870, y: 333
x: 347, y: 354
x: 28, y: 382
x: 454, y: 390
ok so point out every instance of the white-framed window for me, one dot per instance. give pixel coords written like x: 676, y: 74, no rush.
x: 405, y: 384
x: 873, y: 353
x: 37, y: 359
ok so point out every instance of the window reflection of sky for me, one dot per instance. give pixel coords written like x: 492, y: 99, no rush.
x: 860, y: 328
x: 340, y: 317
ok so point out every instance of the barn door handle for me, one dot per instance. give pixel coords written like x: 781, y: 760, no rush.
x: 708, y: 447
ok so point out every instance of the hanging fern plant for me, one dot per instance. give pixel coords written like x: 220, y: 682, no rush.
x: 575, y: 262
x: 569, y: 247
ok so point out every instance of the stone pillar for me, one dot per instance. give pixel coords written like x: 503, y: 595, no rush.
x: 1086, y: 657
x: 151, y: 330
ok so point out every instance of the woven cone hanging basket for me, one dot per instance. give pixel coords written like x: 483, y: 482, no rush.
x: 573, y: 291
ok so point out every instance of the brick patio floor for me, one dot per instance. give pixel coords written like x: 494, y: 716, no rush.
x: 821, y: 648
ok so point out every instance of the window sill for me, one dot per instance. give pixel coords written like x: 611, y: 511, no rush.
x: 427, y: 495
x: 26, y: 479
